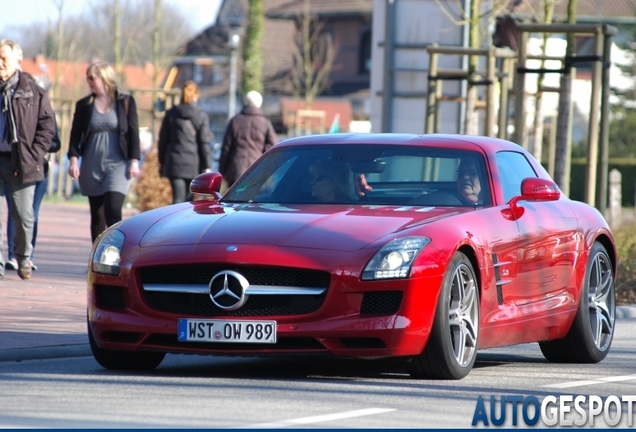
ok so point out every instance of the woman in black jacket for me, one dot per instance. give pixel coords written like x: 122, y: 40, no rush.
x: 105, y: 134
x: 184, y: 143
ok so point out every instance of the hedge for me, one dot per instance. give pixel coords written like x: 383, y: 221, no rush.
x: 627, y: 168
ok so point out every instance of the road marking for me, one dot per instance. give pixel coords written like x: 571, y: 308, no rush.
x: 592, y: 381
x: 320, y: 418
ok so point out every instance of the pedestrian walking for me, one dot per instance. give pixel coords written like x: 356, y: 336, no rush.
x: 27, y: 127
x: 38, y: 196
x: 105, y: 136
x: 184, y: 143
x: 247, y: 136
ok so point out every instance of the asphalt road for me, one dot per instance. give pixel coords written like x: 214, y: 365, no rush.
x: 228, y: 392
x: 48, y: 379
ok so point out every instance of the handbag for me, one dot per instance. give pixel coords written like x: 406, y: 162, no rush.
x: 56, y: 144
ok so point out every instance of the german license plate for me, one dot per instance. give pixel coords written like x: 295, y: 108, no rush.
x: 196, y: 330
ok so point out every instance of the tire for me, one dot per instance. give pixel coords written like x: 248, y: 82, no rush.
x: 451, y: 349
x: 590, y: 337
x: 124, y: 360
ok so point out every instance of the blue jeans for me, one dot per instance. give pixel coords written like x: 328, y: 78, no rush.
x: 38, y: 196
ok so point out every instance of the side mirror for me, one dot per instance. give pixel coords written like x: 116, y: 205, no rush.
x: 538, y: 189
x: 532, y: 189
x: 207, y: 184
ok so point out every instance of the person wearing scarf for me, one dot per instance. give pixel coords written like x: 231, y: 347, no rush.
x: 27, y: 127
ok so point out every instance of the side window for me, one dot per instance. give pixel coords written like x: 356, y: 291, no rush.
x: 513, y: 168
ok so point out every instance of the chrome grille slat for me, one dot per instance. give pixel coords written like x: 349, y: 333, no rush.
x: 251, y: 290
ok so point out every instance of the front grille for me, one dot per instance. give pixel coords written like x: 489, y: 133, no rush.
x: 290, y: 344
x: 261, y: 305
x: 381, y: 303
x: 110, y: 297
x: 203, y: 273
x: 257, y: 305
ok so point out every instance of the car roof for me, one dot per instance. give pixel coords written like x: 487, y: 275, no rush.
x: 455, y: 141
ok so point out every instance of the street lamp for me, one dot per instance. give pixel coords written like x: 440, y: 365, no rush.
x: 234, y: 40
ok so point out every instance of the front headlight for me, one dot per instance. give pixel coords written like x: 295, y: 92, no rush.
x: 108, y: 252
x: 394, y: 260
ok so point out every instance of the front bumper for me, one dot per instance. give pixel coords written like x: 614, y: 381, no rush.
x: 341, y: 326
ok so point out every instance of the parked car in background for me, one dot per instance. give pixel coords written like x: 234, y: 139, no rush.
x: 361, y: 245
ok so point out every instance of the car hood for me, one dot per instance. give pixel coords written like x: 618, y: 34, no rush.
x: 333, y: 227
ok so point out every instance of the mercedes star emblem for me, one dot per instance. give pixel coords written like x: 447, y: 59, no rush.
x: 227, y: 290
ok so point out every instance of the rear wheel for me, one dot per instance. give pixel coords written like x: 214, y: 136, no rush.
x: 123, y: 360
x: 452, y: 346
x: 590, y: 336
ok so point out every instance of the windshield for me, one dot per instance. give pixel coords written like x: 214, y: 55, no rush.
x: 370, y: 174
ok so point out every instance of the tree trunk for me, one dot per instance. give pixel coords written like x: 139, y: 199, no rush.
x: 470, y: 123
x: 564, y: 124
x: 117, y: 37
x: 252, y: 76
x: 537, y: 145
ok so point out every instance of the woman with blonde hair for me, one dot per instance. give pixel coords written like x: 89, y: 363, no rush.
x: 184, y: 143
x: 105, y: 135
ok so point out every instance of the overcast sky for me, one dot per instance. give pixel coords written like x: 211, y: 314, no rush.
x: 19, y: 12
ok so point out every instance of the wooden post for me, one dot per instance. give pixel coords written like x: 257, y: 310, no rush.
x: 615, y: 198
x: 504, y: 97
x: 491, y: 70
x: 520, y: 91
x: 593, y: 125
x: 431, y: 97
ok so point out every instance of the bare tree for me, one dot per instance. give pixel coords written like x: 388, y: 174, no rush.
x: 314, y: 56
x: 59, y: 54
x: 537, y: 144
x: 478, y: 21
x: 89, y: 35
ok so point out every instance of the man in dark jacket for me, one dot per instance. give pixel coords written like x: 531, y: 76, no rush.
x: 247, y: 136
x: 27, y: 127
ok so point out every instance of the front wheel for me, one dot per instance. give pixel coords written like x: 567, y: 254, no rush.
x: 452, y: 346
x: 590, y: 337
x: 123, y: 360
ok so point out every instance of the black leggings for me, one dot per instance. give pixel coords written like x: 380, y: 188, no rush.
x: 180, y: 190
x: 105, y: 211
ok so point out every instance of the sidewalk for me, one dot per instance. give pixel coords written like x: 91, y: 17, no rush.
x: 45, y: 316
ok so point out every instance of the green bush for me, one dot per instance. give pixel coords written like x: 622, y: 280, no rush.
x: 625, y: 239
x: 627, y: 168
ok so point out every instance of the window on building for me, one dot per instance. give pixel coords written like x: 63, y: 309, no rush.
x: 364, y: 66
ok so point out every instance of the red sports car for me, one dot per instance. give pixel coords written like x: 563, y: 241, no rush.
x: 420, y: 247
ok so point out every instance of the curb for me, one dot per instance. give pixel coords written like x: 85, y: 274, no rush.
x: 626, y: 312
x: 46, y: 352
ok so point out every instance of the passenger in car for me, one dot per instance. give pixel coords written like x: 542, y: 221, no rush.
x: 332, y: 181
x: 468, y: 188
